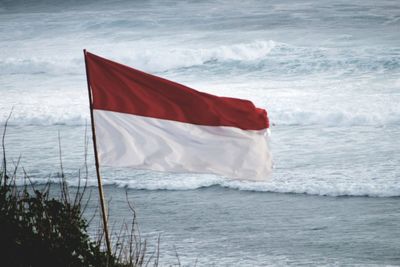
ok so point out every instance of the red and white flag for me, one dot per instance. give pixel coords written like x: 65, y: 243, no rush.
x: 147, y: 122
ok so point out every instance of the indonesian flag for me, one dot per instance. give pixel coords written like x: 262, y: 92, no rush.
x: 147, y: 122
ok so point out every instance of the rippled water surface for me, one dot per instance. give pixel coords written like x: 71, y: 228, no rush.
x: 326, y: 71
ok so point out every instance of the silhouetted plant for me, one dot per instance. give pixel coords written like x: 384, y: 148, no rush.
x: 37, y: 229
x: 40, y: 231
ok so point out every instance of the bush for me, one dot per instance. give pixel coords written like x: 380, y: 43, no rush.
x: 39, y: 230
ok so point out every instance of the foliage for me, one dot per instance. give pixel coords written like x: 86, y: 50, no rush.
x: 37, y: 229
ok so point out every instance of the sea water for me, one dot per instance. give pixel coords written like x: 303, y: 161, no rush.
x: 326, y: 71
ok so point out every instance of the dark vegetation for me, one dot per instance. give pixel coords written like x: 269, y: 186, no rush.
x: 41, y: 228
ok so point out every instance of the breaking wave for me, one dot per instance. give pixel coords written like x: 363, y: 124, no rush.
x: 334, y: 118
x: 278, y: 118
x: 258, y: 56
x: 308, y: 185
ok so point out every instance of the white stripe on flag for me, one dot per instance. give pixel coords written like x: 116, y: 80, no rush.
x: 164, y: 145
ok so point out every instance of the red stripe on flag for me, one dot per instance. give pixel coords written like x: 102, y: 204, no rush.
x: 119, y: 88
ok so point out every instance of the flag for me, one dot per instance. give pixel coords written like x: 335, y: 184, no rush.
x: 147, y: 122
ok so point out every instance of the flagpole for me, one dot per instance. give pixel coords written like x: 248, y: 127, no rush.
x: 100, y: 185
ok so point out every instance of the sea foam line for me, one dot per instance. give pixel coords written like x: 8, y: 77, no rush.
x: 193, y: 182
x: 261, y: 55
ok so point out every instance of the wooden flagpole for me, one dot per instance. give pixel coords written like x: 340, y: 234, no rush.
x: 100, y: 185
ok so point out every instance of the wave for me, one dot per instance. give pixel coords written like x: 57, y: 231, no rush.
x: 199, y: 182
x: 41, y: 65
x: 154, y: 60
x: 307, y: 99
x: 278, y: 118
x: 333, y: 118
x: 49, y: 119
x: 268, y: 57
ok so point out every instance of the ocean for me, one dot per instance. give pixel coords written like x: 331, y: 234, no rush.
x: 327, y: 72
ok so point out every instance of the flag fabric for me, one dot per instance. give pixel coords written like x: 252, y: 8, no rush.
x: 147, y: 122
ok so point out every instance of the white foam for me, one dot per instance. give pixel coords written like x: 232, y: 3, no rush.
x: 304, y: 76
x: 59, y: 115
x: 152, y: 59
x: 265, y: 56
x: 309, y: 186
